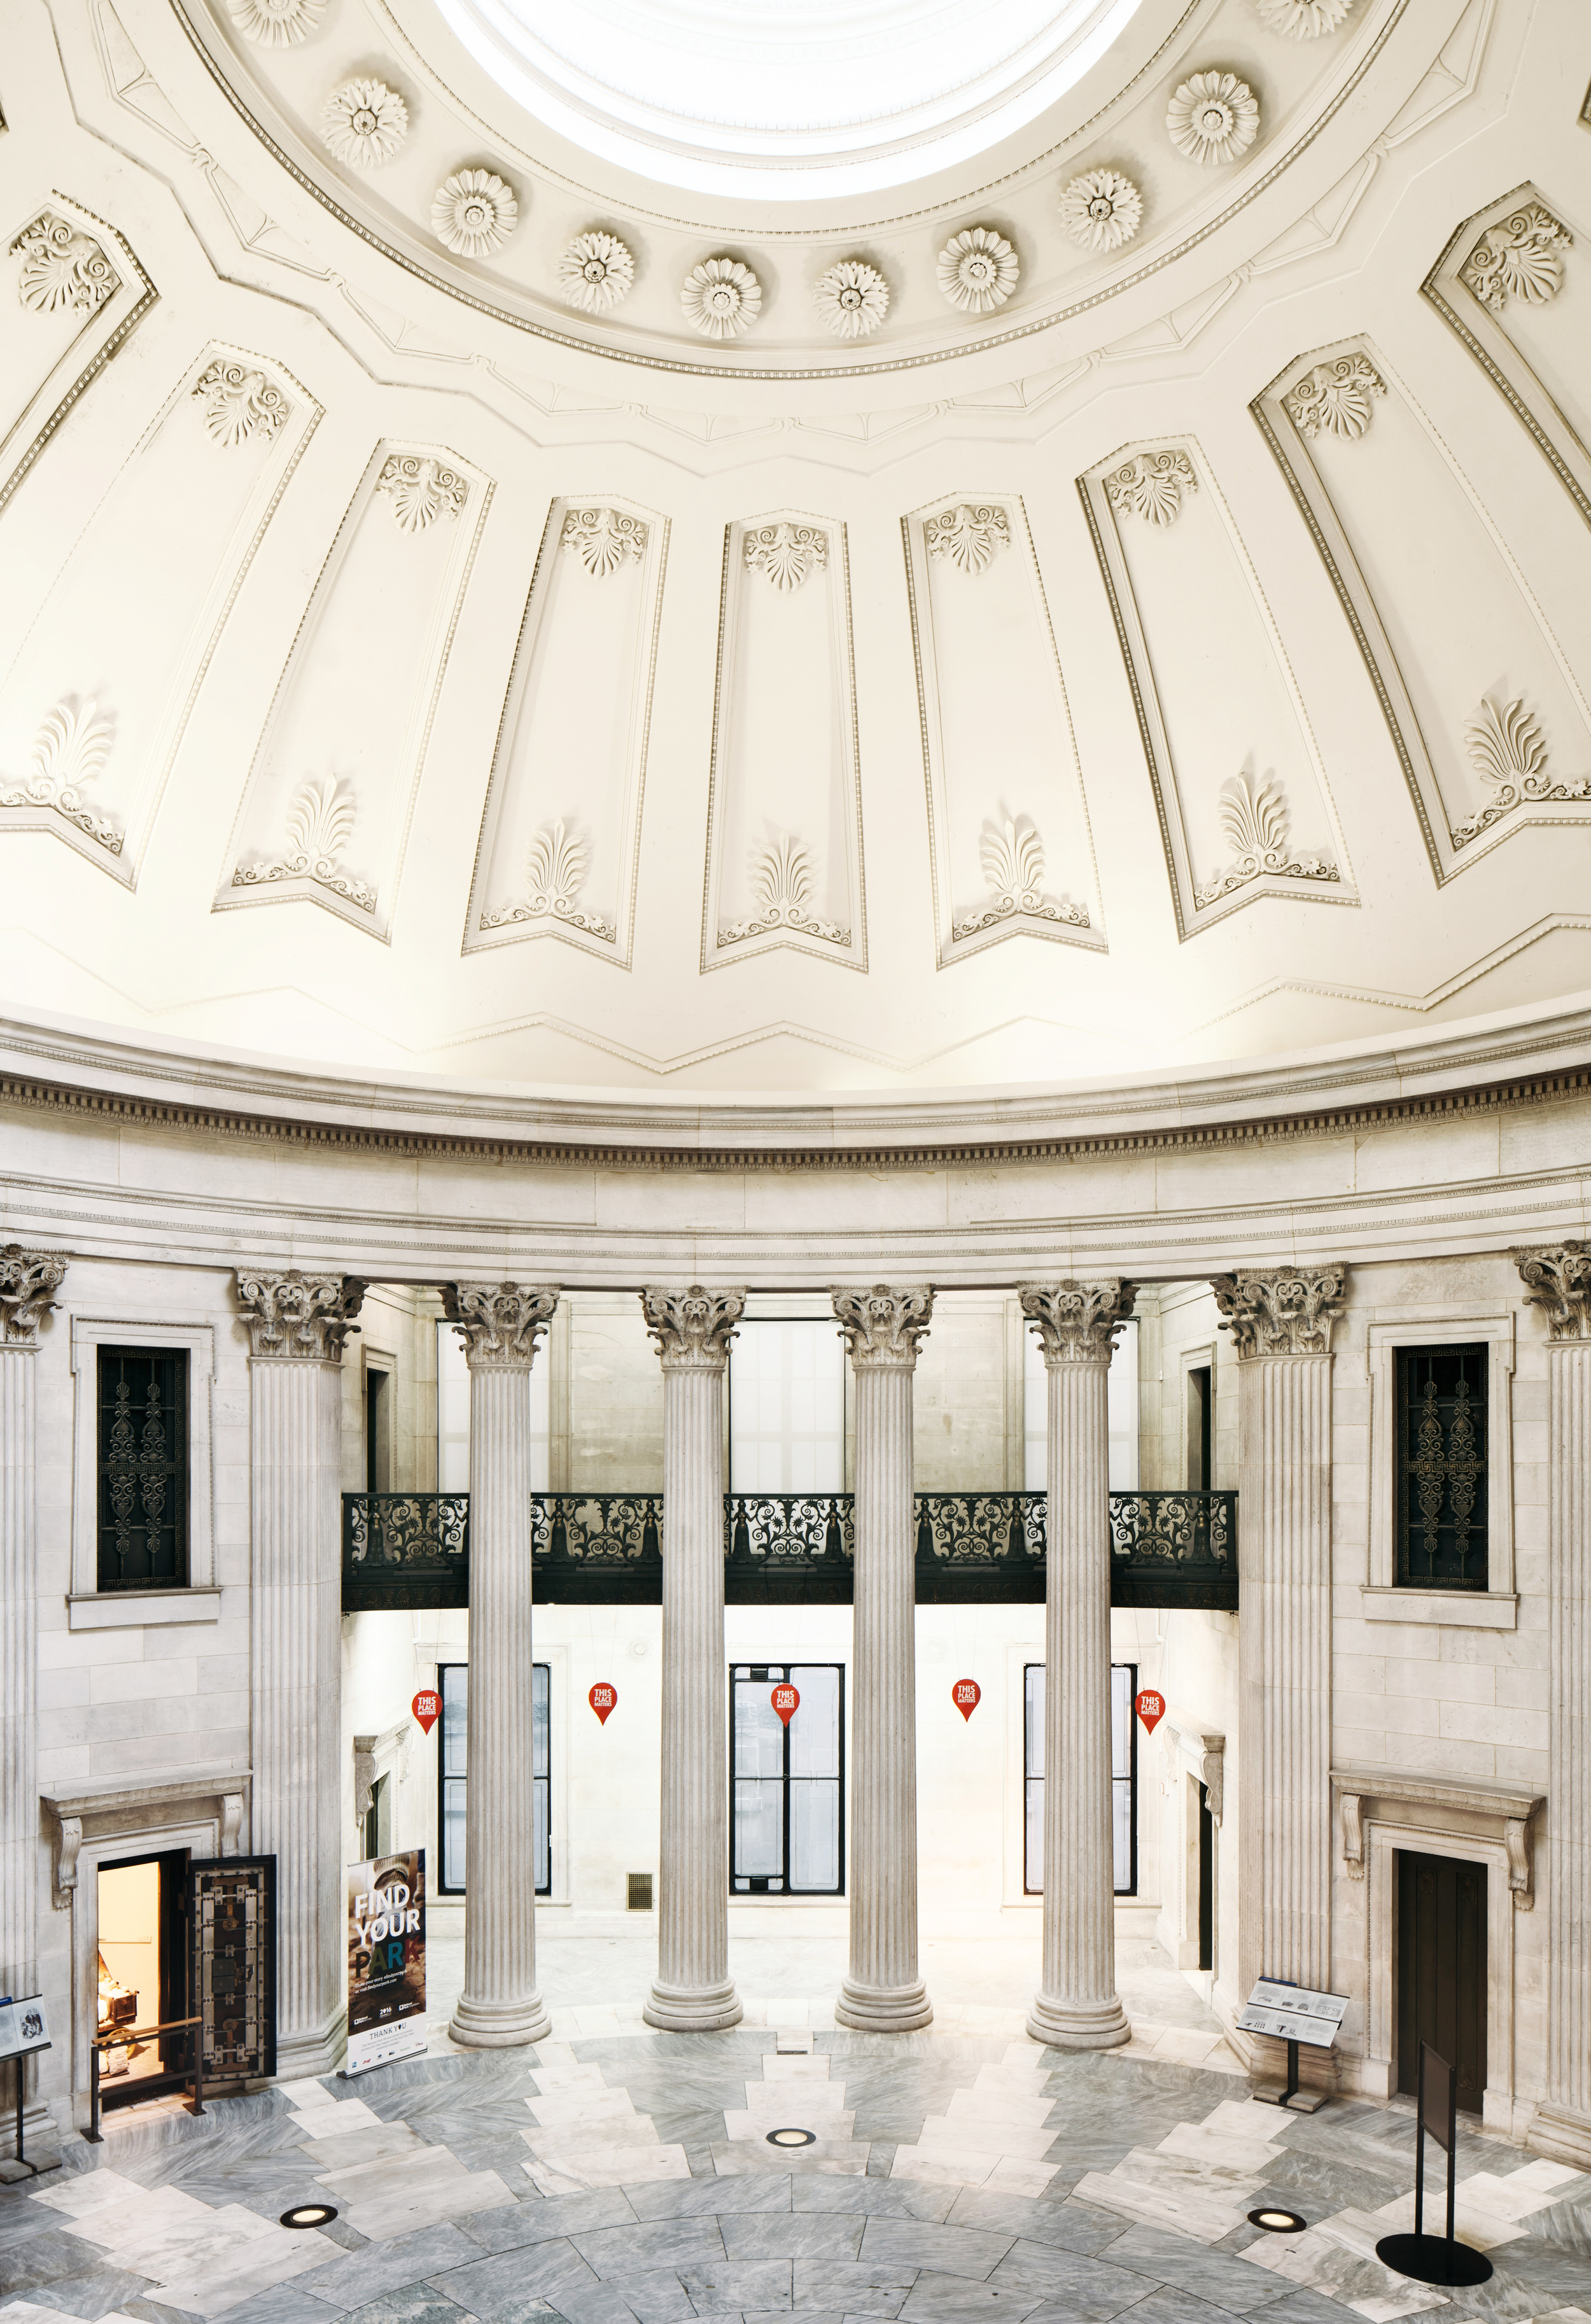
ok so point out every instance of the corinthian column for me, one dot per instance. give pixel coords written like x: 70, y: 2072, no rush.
x: 693, y: 1991
x: 297, y: 1327
x: 29, y: 1280
x: 883, y: 1993
x: 1077, y: 2007
x: 1559, y: 1281
x: 499, y: 2007
x: 1281, y: 1320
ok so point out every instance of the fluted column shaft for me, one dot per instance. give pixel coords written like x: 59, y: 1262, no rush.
x: 1560, y: 1277
x: 298, y: 1325
x: 1281, y: 1320
x: 501, y: 2007
x: 884, y: 1993
x: 27, y: 1281
x: 693, y: 1991
x: 1077, y: 2006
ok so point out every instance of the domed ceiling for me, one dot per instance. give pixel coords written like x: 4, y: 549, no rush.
x: 673, y: 544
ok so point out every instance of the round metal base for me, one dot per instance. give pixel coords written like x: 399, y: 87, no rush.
x: 1432, y: 2259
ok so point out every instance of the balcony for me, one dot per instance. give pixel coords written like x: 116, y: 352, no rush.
x: 411, y: 1550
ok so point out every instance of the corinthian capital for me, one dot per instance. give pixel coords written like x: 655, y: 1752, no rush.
x: 29, y: 1280
x: 1281, y: 1311
x: 500, y: 1324
x: 692, y: 1328
x: 1558, y: 1279
x: 294, y: 1314
x: 1076, y: 1323
x: 884, y: 1326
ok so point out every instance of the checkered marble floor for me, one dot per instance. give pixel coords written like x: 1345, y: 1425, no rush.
x: 627, y: 2177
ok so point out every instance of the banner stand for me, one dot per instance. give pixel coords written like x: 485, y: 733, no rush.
x: 1435, y: 2259
x: 386, y: 1961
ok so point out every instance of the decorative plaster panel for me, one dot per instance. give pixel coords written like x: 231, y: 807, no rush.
x: 99, y: 691
x: 325, y: 812
x: 1011, y: 850
x: 1239, y: 786
x: 70, y: 290
x: 1486, y: 715
x: 784, y: 819
x: 561, y: 830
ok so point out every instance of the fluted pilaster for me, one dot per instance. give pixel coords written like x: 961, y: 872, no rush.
x: 693, y: 1991
x: 28, y: 1282
x: 298, y: 1325
x: 501, y: 2005
x: 883, y: 1992
x: 1559, y: 1283
x: 1281, y: 1320
x: 1077, y: 2006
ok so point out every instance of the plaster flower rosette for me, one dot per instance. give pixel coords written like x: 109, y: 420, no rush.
x: 595, y: 272
x: 276, y: 24
x: 1304, y: 19
x: 364, y: 123
x: 978, y: 270
x: 1212, y: 118
x: 852, y: 299
x: 720, y: 299
x: 1101, y: 209
x: 474, y: 213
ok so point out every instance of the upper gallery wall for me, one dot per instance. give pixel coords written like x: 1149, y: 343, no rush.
x: 1093, y: 579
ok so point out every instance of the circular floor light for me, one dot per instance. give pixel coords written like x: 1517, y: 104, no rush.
x: 791, y: 2137
x: 309, y: 2214
x: 1277, y: 2222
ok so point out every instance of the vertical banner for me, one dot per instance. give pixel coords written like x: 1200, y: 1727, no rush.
x: 386, y: 1960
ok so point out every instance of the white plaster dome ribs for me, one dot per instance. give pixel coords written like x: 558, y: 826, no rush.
x: 355, y: 659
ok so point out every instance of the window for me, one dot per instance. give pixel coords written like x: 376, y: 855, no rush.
x: 787, y: 1829
x: 788, y: 1407
x: 1124, y: 1779
x: 1121, y: 1405
x: 453, y: 1415
x: 1442, y: 1534
x: 378, y: 1461
x: 453, y: 1682
x: 1201, y: 1409
x: 142, y: 1466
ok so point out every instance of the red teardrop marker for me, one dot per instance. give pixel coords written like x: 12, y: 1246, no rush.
x: 786, y: 1702
x: 965, y: 1694
x: 1150, y: 1708
x: 602, y: 1697
x: 426, y: 1707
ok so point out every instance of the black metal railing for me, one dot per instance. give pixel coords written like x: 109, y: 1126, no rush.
x: 405, y: 1550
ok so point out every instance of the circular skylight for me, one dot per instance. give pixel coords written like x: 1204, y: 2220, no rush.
x: 786, y: 99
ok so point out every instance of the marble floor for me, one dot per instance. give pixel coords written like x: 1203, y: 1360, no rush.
x: 619, y: 2176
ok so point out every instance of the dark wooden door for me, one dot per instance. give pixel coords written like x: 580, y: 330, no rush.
x: 1442, y: 1969
x: 1206, y: 1881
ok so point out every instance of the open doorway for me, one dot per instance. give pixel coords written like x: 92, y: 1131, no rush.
x: 1441, y: 1953
x: 143, y: 1975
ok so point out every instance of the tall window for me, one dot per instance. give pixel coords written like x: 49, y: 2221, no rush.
x: 453, y: 1680
x: 142, y: 1461
x: 1441, y: 1438
x: 1124, y: 1779
x: 787, y: 1781
x: 453, y: 1415
x: 1121, y: 1406
x: 787, y: 1407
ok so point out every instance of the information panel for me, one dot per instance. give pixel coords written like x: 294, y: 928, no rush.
x: 23, y: 2026
x: 386, y: 1960
x: 1291, y: 2013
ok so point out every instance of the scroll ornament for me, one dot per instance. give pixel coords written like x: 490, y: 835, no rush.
x: 692, y: 1328
x: 1076, y: 1323
x: 500, y: 1324
x: 29, y: 1281
x: 1557, y: 1280
x: 308, y: 1316
x: 884, y: 1327
x: 1282, y: 1310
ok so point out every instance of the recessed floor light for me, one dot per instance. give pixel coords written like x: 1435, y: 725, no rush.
x: 309, y: 2215
x: 791, y: 2138
x: 1277, y: 2222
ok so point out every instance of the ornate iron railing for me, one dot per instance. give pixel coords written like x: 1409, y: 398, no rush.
x: 785, y: 1549
x: 406, y: 1550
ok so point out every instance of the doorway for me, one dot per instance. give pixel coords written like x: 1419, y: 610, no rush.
x: 1441, y: 1957
x: 1205, y: 1880
x: 143, y: 1974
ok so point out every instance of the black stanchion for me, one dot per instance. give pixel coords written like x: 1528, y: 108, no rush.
x: 1435, y: 2259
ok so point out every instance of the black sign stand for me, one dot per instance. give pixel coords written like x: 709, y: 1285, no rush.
x: 31, y: 2168
x: 1435, y: 2259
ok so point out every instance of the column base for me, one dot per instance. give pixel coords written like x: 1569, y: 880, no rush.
x: 883, y: 2008
x: 1062, y: 2024
x: 693, y: 2008
x: 305, y: 2057
x: 499, y: 2025
x: 1561, y: 2134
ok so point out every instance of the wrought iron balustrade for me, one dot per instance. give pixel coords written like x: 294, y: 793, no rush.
x: 787, y: 1549
x: 401, y: 1551
x: 981, y: 1549
x: 597, y: 1549
x: 1174, y: 1549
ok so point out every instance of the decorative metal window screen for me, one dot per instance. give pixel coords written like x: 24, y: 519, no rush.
x: 787, y: 1782
x: 453, y: 1681
x: 1441, y: 1437
x: 142, y: 1463
x: 1124, y: 1779
x: 232, y: 1919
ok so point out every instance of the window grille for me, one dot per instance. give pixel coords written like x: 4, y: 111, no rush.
x: 787, y: 1781
x: 143, y: 1463
x: 453, y: 1682
x: 1124, y: 1779
x: 1441, y: 1435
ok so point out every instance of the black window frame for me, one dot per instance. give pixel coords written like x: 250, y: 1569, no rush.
x: 171, y: 1366
x: 1430, y: 1467
x: 1130, y: 1779
x: 446, y: 1887
x: 772, y: 1675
